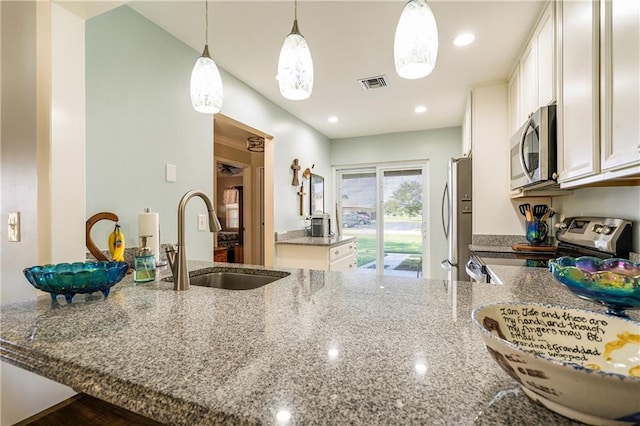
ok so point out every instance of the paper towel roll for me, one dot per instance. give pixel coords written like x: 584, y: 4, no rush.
x: 149, y: 224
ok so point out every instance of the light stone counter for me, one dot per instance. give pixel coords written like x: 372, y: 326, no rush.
x: 324, y: 347
x: 318, y: 241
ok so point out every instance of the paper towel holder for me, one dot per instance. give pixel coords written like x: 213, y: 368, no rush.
x: 156, y: 235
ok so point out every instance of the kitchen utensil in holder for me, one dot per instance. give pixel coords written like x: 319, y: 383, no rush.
x: 537, y: 231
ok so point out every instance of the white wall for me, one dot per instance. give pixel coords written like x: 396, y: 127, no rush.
x: 19, y: 176
x: 437, y: 146
x: 32, y: 141
x: 139, y: 118
x: 67, y: 117
x: 493, y: 211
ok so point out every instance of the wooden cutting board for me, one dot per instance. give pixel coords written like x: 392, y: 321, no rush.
x: 528, y: 247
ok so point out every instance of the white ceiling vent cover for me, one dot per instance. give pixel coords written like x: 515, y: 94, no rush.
x: 373, y: 82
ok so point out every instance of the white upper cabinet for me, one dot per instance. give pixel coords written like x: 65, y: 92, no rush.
x: 620, y: 84
x: 546, y: 54
x: 599, y: 129
x: 578, y: 114
x: 515, y: 120
x: 532, y: 83
x: 529, y: 82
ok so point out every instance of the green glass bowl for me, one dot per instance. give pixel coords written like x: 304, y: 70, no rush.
x: 614, y: 283
x: 70, y: 279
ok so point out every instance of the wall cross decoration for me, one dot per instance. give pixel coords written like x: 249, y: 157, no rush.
x: 295, y: 167
x: 301, y: 193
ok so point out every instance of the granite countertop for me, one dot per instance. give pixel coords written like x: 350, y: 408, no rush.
x: 499, y: 249
x: 318, y: 241
x: 324, y: 347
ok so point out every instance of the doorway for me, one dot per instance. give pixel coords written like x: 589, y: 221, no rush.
x: 383, y: 207
x: 240, y: 185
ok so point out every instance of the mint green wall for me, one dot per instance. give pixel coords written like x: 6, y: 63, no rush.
x: 139, y: 118
x: 436, y: 146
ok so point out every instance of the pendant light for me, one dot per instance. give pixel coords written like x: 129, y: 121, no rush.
x: 206, y: 84
x: 295, y: 66
x: 416, y: 43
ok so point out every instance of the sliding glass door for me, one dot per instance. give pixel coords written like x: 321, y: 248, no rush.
x: 383, y: 207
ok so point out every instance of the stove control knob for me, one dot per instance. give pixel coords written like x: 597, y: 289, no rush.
x: 606, y: 230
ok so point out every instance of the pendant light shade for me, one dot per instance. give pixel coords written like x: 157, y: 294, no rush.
x: 416, y: 43
x: 206, y: 84
x: 295, y: 66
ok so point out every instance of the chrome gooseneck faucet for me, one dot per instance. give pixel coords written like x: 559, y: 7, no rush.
x: 177, y: 256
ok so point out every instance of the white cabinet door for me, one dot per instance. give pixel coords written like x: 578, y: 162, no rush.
x: 341, y: 257
x: 578, y: 150
x: 514, y: 102
x: 529, y: 80
x: 620, y: 83
x: 346, y: 264
x: 546, y: 58
x: 534, y: 85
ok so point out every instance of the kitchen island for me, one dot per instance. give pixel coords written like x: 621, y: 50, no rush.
x: 314, y: 347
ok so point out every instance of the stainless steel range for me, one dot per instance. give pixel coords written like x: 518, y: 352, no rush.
x: 576, y: 236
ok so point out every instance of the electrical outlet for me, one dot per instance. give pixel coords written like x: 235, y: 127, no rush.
x: 14, y: 227
x: 202, y: 222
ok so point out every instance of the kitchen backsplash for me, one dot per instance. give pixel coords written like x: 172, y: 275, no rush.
x: 618, y: 202
x: 130, y: 254
x: 496, y: 240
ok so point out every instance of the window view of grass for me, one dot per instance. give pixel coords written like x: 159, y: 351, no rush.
x: 408, y: 241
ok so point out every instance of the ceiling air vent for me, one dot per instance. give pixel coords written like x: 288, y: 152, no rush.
x: 373, y: 82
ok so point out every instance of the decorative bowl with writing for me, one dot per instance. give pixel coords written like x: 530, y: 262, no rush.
x: 70, y: 279
x: 614, y: 283
x: 583, y: 365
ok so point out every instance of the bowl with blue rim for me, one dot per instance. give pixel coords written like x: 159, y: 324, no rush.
x: 69, y: 279
x: 614, y: 283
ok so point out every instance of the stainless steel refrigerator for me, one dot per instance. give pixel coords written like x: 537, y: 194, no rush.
x: 456, y: 218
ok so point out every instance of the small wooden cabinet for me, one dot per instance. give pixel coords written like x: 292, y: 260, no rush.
x: 220, y: 254
x: 341, y: 257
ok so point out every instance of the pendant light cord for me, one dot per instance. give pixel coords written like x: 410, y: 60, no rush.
x: 294, y: 29
x: 206, y: 15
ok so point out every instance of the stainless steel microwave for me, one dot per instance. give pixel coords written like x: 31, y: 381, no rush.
x: 533, y: 151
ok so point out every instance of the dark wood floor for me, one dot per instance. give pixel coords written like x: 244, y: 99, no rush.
x: 83, y: 409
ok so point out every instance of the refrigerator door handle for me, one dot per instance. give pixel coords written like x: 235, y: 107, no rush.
x: 446, y: 265
x: 445, y: 196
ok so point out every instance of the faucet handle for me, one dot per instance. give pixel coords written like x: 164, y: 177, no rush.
x: 171, y: 254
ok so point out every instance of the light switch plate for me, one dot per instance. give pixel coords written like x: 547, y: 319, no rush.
x: 13, y: 233
x: 170, y: 172
x: 202, y: 222
x: 634, y: 257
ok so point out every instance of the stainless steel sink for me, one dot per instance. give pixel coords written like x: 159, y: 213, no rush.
x: 234, y: 278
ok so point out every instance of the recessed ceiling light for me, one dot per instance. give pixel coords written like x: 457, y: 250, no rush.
x: 332, y: 119
x: 464, y: 39
x: 420, y: 108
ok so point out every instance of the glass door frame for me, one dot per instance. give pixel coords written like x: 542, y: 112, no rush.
x: 379, y: 169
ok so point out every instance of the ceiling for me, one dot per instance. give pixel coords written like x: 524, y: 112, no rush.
x: 350, y: 40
